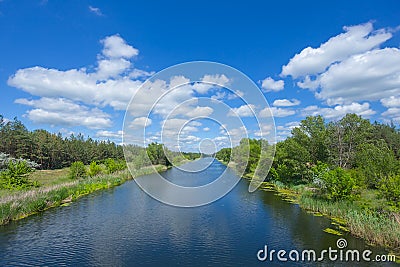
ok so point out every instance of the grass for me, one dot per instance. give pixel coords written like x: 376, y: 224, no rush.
x: 58, y: 190
x: 364, y: 218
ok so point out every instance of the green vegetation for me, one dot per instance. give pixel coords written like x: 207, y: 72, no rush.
x: 349, y: 169
x: 94, y: 165
x: 77, y: 170
x: 52, y: 151
x: 22, y: 203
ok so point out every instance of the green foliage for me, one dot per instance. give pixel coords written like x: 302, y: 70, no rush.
x: 50, y: 150
x: 157, y: 155
x: 15, y: 176
x: 312, y: 135
x: 94, y: 169
x: 291, y: 164
x: 224, y: 154
x: 77, y: 170
x: 390, y: 189
x: 113, y: 166
x: 375, y: 162
x: 339, y: 184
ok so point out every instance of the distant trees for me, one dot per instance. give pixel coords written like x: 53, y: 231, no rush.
x: 52, y: 151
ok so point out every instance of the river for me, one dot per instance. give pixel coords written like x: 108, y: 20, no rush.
x: 123, y: 226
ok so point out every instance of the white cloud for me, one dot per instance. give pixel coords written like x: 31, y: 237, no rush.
x: 111, y: 68
x: 270, y: 84
x: 206, y: 129
x: 61, y: 111
x: 209, y: 81
x: 356, y: 39
x: 391, y: 101
x: 370, y: 76
x: 140, y: 123
x: 288, y: 126
x: 109, y: 134
x: 276, y: 112
x: 286, y: 102
x: 116, y: 47
x: 339, y: 111
x: 110, y: 84
x: 243, y: 111
x: 200, y: 111
x: 137, y: 73
x: 95, y: 10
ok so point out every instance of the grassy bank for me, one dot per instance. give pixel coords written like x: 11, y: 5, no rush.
x: 58, y: 190
x: 359, y: 218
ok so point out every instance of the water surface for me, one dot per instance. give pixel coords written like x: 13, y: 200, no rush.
x: 123, y: 226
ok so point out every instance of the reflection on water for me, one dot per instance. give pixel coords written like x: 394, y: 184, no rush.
x: 124, y: 227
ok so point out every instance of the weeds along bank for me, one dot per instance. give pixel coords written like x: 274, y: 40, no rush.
x: 20, y: 204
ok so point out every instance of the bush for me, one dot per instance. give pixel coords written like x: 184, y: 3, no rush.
x: 113, y: 166
x: 390, y: 189
x: 339, y: 184
x: 77, y: 170
x: 15, y: 176
x: 94, y: 169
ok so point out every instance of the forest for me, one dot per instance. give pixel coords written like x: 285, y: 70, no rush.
x: 338, y: 160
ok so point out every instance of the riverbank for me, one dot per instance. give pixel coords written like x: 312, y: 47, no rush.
x: 377, y: 228
x: 16, y: 205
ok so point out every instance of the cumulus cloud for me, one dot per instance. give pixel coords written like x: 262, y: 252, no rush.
x: 276, y: 112
x: 286, y: 102
x: 369, y: 76
x: 243, y: 111
x: 339, y: 111
x: 108, y: 85
x: 140, y: 123
x: 356, y: 39
x: 270, y: 84
x: 61, y: 111
x: 391, y: 101
x: 350, y: 67
x: 200, y: 111
x: 209, y: 81
x: 116, y: 47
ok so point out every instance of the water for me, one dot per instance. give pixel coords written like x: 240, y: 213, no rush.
x: 125, y: 227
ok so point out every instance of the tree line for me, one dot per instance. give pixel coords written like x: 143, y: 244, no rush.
x: 338, y: 158
x: 53, y: 151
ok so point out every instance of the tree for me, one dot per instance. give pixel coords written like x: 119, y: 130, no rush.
x: 312, y: 134
x: 77, y: 170
x: 224, y: 154
x: 346, y: 135
x: 291, y: 163
x: 375, y: 162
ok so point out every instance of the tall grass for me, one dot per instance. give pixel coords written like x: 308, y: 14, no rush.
x: 20, y: 204
x: 376, y: 228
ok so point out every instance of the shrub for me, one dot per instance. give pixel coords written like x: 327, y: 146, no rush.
x: 15, y: 176
x: 77, y: 170
x: 94, y: 169
x: 339, y: 184
x: 113, y: 166
x: 390, y: 189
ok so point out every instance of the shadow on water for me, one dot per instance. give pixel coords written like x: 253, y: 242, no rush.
x: 125, y: 227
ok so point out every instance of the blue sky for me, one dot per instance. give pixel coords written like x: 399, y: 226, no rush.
x: 66, y: 65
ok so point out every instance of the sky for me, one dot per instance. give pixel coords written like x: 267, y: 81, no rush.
x: 74, y: 66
